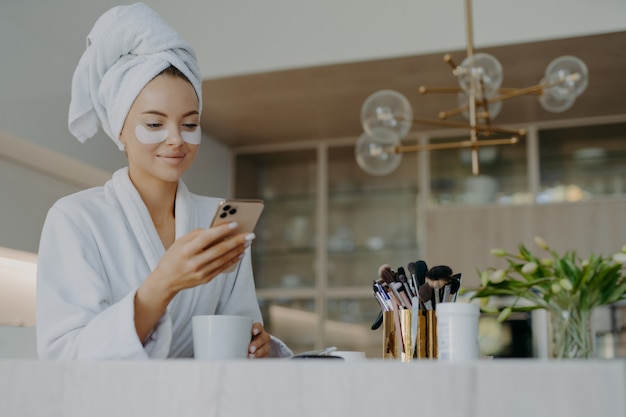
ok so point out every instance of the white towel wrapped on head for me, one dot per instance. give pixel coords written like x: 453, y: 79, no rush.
x: 127, y: 47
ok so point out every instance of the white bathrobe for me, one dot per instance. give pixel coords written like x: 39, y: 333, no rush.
x: 97, y: 247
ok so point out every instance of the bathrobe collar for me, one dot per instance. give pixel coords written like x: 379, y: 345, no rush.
x: 140, y: 221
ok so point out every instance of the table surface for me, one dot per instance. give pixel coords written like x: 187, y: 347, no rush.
x: 313, y: 387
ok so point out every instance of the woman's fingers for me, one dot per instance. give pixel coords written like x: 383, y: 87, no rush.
x: 199, y: 239
x: 226, y: 251
x: 199, y: 256
x: 260, y: 345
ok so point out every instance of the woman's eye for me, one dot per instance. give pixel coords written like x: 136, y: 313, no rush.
x: 190, y: 126
x: 154, y: 125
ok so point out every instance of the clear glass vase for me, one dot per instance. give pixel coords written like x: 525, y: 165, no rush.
x: 571, y: 335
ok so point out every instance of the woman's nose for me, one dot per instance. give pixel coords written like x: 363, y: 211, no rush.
x: 174, y: 137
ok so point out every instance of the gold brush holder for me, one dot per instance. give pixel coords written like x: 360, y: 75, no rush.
x: 398, y: 337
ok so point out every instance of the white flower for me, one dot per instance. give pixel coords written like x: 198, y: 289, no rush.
x: 546, y: 262
x: 556, y: 288
x: 497, y: 276
x: 484, y: 278
x: 620, y: 258
x: 566, y: 284
x: 530, y: 268
x: 541, y: 243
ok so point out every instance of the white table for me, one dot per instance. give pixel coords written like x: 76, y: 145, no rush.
x: 316, y: 388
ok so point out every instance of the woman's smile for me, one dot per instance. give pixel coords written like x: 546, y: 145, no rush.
x: 173, y: 158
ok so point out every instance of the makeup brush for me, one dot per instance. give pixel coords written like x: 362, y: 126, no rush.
x: 455, y: 285
x: 426, y: 294
x: 439, y: 272
x: 420, y: 272
x: 412, y: 270
x: 378, y: 321
x: 387, y: 275
x: 404, y: 297
x: 405, y: 282
x: 446, y: 292
x: 437, y: 277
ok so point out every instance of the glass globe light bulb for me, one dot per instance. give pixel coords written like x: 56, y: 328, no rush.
x: 494, y: 108
x: 572, y: 71
x: 375, y: 154
x: 482, y: 68
x: 389, y: 110
x: 557, y: 100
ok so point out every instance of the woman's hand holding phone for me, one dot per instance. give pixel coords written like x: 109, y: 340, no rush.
x: 193, y: 259
x: 245, y: 212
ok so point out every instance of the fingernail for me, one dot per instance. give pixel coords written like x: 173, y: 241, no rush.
x: 250, y: 236
x: 246, y: 243
x: 256, y: 331
x: 251, y: 356
x: 233, y: 225
x: 252, y: 349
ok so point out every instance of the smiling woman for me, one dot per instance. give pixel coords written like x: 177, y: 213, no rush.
x: 114, y: 260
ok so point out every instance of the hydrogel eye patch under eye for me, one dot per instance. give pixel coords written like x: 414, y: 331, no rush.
x: 150, y: 137
x: 194, y: 137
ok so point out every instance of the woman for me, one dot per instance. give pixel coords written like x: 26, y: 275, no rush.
x: 123, y: 268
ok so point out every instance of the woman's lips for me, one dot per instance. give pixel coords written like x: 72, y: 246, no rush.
x: 173, y: 158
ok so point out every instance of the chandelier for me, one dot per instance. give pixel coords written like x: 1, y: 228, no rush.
x: 387, y: 116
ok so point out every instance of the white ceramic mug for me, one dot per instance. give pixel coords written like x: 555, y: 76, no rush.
x: 217, y: 337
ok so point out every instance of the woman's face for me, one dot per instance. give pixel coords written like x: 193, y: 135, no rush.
x: 161, y: 132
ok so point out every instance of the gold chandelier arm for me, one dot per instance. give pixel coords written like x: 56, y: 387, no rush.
x: 447, y: 58
x: 509, y: 93
x: 488, y: 128
x: 439, y: 90
x: 469, y: 27
x: 455, y: 145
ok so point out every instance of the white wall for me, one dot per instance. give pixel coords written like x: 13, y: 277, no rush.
x: 246, y: 36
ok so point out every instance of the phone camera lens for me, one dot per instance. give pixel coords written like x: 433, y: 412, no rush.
x: 232, y: 211
x: 223, y: 215
x: 226, y: 207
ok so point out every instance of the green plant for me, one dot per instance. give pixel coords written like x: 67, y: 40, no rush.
x: 555, y: 282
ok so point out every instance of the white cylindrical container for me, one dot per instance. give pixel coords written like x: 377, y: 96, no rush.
x: 457, y: 331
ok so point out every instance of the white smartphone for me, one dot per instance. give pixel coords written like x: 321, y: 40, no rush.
x: 246, y: 212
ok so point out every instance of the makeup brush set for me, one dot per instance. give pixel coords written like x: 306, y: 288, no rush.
x: 408, y: 307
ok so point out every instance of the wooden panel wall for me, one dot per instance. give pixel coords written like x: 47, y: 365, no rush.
x: 462, y: 237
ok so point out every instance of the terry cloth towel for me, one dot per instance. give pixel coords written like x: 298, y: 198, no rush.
x: 127, y: 47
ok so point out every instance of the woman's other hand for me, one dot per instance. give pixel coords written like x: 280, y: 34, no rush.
x: 260, y: 344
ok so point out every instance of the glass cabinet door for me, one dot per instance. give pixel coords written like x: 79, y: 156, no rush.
x: 283, y: 253
x: 371, y: 220
x: 583, y: 162
x: 503, y: 177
